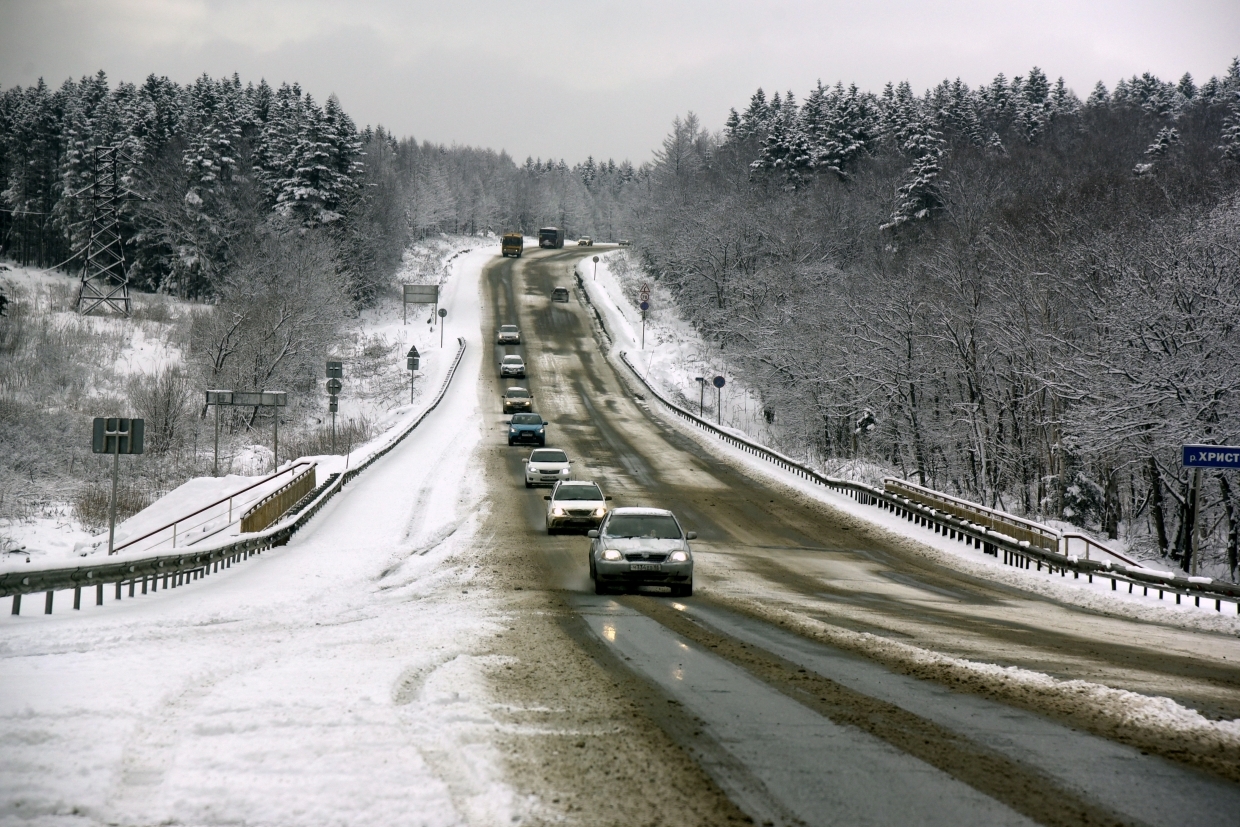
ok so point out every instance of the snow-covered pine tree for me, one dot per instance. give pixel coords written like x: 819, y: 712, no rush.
x: 1099, y: 97
x: 785, y: 148
x: 756, y: 116
x: 1186, y: 87
x: 919, y: 195
x: 1230, y: 144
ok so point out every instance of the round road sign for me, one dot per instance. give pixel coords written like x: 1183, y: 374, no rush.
x: 645, y: 305
x: 718, y: 382
x: 596, y: 259
x: 333, y: 386
x: 443, y: 311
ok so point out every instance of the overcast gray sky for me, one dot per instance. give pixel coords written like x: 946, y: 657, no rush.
x: 571, y: 79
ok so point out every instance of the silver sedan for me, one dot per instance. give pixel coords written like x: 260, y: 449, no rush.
x: 641, y: 546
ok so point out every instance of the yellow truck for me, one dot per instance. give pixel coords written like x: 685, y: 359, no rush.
x: 512, y: 244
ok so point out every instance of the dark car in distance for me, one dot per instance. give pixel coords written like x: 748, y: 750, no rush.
x: 559, y: 294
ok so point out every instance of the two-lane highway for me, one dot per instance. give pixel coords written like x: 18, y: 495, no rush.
x: 641, y: 708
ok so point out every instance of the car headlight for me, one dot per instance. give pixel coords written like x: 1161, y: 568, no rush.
x: 542, y: 428
x: 679, y: 557
x: 557, y: 511
x: 612, y: 554
x: 564, y: 471
x: 600, y: 511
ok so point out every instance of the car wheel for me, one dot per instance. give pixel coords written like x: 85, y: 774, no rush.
x: 529, y: 484
x: 600, y: 588
x: 683, y: 591
x: 510, y: 443
x: 542, y: 441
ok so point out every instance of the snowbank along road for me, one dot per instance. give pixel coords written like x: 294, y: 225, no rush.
x: 424, y: 653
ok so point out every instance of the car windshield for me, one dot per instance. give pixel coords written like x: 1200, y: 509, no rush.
x: 578, y: 492
x: 526, y: 419
x: 512, y: 360
x: 651, y: 526
x: 548, y: 456
x: 517, y: 393
x: 508, y: 328
x: 561, y: 290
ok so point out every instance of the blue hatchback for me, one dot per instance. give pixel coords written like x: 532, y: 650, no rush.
x: 527, y: 427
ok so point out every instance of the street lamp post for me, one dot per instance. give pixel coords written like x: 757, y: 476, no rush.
x: 701, y: 380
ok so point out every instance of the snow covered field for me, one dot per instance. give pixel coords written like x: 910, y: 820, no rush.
x: 327, y: 682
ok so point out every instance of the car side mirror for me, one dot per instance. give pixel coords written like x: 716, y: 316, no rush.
x: 607, y: 498
x: 507, y: 421
x: 592, y: 533
x: 546, y: 496
x: 690, y: 535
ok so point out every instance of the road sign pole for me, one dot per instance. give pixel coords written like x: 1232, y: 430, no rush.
x: 215, y: 472
x: 1194, y: 545
x: 701, y: 397
x: 719, y: 405
x: 333, y: 432
x: 116, y: 471
x: 275, y: 442
x: 443, y: 313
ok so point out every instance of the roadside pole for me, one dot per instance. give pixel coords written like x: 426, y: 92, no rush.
x: 443, y: 312
x: 335, y: 372
x: 413, y: 361
x: 217, y: 398
x: 596, y: 268
x: 115, y: 436
x: 719, y: 382
x: 644, y: 294
x: 701, y: 380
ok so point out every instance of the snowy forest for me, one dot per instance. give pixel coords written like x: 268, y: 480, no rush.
x: 1007, y: 292
x: 1012, y: 292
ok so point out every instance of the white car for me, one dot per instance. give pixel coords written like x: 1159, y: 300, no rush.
x: 575, y: 504
x: 508, y: 335
x: 512, y: 366
x: 546, y: 466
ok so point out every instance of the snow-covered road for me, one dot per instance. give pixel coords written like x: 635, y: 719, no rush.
x: 326, y: 682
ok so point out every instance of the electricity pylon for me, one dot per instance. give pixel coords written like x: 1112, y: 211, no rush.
x: 105, y: 281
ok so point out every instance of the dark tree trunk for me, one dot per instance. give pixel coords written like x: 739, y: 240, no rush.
x: 1111, y: 506
x: 1233, y: 530
x: 1156, y: 507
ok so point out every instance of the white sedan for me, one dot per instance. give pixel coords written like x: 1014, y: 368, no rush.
x: 546, y: 466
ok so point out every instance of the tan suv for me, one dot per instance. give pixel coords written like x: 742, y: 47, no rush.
x: 518, y: 400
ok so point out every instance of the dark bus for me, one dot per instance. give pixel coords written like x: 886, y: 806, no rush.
x: 552, y: 237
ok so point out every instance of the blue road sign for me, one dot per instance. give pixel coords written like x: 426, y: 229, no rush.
x: 645, y: 305
x: 718, y: 381
x: 1212, y: 456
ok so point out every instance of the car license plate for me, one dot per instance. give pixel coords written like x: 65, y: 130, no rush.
x: 644, y: 567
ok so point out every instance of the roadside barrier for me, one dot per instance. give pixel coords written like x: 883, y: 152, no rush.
x: 169, y: 571
x: 989, y: 535
x: 272, y: 507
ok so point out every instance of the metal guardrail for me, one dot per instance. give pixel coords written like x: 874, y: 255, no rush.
x: 178, y: 569
x: 995, y: 541
x: 272, y: 507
